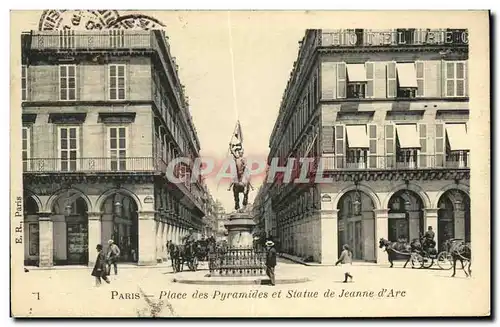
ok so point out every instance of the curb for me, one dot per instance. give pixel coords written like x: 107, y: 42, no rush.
x: 239, y: 282
x: 56, y: 268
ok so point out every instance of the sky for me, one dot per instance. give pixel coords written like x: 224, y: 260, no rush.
x: 264, y: 48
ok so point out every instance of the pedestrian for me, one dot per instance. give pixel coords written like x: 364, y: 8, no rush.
x: 270, y: 261
x: 346, y: 261
x: 100, y: 269
x: 112, y: 256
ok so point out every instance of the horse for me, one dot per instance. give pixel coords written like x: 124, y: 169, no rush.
x: 461, y: 252
x: 188, y: 253
x: 175, y: 256
x: 241, y: 182
x: 397, y: 248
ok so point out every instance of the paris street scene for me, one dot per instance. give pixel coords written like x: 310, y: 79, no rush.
x: 176, y: 162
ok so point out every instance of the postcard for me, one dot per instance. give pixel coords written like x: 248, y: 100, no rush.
x: 250, y: 163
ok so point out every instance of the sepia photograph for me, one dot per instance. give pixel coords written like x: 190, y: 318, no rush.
x: 250, y: 164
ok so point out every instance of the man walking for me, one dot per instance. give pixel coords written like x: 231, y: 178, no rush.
x: 112, y: 256
x: 270, y: 261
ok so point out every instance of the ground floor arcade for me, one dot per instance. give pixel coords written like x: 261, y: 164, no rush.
x: 360, y: 214
x: 63, y: 226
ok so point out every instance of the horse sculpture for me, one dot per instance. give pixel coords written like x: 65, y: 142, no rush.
x: 241, y: 182
x: 395, y: 249
x: 461, y: 252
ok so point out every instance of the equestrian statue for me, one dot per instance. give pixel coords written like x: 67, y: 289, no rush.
x: 241, y: 181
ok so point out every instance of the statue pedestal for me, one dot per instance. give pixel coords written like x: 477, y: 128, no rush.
x: 240, y: 227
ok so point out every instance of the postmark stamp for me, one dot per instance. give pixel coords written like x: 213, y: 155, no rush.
x: 52, y: 20
x: 137, y: 21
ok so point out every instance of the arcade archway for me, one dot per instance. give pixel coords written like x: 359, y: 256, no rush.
x: 120, y: 223
x: 356, y: 224
x: 70, y: 224
x: 453, y: 216
x: 406, y: 216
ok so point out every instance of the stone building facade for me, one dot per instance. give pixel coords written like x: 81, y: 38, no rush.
x: 103, y: 115
x: 385, y: 115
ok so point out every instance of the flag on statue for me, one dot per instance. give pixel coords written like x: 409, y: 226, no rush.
x: 238, y: 134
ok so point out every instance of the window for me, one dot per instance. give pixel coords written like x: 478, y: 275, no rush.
x: 457, y: 145
x: 419, y: 67
x: 26, y: 148
x: 68, y: 148
x: 118, y: 148
x: 356, y: 76
x: 356, y: 90
x: 406, y: 80
x: 117, y: 38
x: 117, y: 82
x: 357, y: 145
x: 454, y: 78
x: 407, y: 145
x: 67, y: 82
x: 24, y: 83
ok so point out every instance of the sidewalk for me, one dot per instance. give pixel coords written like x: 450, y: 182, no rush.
x: 125, y: 265
x: 317, y: 264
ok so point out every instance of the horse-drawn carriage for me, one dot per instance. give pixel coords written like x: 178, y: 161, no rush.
x: 419, y: 254
x: 189, y: 253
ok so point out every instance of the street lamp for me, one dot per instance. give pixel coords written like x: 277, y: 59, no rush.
x: 407, y: 201
x: 118, y: 208
x: 357, y: 201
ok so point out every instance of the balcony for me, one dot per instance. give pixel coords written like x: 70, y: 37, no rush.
x: 334, y: 163
x: 92, y: 165
x: 83, y: 40
x: 108, y: 165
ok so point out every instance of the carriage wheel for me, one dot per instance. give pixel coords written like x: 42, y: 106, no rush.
x: 417, y: 261
x: 444, y: 260
x: 427, y: 261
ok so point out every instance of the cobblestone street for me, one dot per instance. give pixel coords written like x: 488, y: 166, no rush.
x: 404, y: 288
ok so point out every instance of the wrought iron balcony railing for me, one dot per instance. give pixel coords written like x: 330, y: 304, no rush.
x: 127, y: 164
x: 396, y: 162
x: 84, y: 40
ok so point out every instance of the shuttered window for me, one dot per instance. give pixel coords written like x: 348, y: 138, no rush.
x: 391, y: 80
x: 328, y: 79
x: 423, y: 157
x: 390, y: 148
x: 341, y: 80
x: 370, y: 79
x: 440, y: 149
x: 372, y: 151
x: 328, y: 139
x: 455, y: 73
x: 340, y: 146
x: 419, y: 65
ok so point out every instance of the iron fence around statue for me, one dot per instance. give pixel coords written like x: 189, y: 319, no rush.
x: 237, y: 262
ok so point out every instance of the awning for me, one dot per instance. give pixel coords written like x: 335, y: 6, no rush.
x: 407, y: 75
x: 408, y: 136
x: 457, y: 137
x: 357, y: 137
x: 356, y: 73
